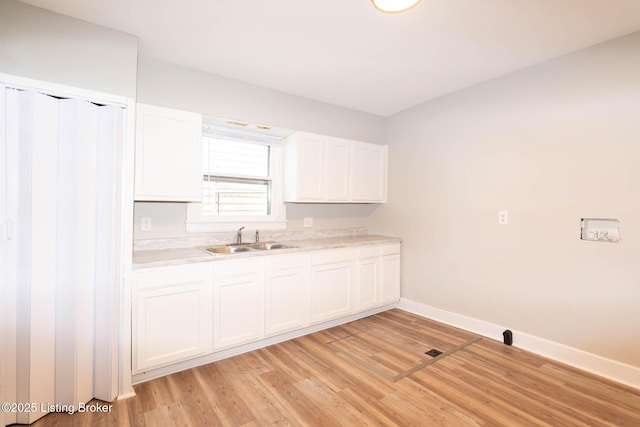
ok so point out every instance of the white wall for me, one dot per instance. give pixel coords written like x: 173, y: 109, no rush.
x: 44, y: 45
x: 169, y: 85
x: 550, y: 144
x: 168, y: 219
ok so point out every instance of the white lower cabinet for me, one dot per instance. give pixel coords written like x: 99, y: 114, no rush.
x: 238, y: 302
x: 367, y: 290
x: 286, y: 293
x: 390, y: 283
x: 172, y: 314
x: 378, y: 276
x: 188, y: 311
x: 332, y: 281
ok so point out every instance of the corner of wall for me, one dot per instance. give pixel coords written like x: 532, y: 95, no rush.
x: 598, y: 365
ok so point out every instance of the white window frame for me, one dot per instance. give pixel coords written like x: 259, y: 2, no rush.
x: 197, y: 222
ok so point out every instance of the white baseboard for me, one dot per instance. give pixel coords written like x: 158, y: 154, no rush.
x: 126, y: 396
x: 607, y: 368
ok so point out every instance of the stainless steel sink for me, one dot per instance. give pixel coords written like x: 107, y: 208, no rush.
x: 229, y: 249
x: 248, y: 247
x: 267, y: 246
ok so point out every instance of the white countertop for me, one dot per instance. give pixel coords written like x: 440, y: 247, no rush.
x: 174, y: 256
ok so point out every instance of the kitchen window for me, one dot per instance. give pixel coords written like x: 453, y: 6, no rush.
x: 241, y: 181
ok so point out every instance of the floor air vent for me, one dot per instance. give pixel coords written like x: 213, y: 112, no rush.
x: 433, y: 352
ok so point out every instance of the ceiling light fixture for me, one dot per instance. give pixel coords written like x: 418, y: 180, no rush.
x: 394, y: 6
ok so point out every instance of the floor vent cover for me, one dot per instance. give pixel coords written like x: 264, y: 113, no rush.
x: 433, y: 352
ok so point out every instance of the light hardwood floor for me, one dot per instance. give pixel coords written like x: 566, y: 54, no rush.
x: 374, y: 372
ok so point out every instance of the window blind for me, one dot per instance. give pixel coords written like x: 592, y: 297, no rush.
x: 236, y: 166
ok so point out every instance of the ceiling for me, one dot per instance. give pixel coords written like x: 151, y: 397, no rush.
x: 346, y: 53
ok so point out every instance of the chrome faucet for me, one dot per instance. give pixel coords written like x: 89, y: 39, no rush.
x: 239, y: 236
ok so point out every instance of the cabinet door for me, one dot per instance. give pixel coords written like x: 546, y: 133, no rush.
x: 168, y: 154
x: 238, y: 302
x: 369, y: 277
x: 336, y: 173
x: 369, y: 172
x: 172, y: 315
x: 326, y: 169
x: 304, y: 167
x: 332, y: 282
x: 286, y: 293
x: 390, y: 274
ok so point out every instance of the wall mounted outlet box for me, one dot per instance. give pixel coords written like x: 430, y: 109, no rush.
x: 600, y: 229
x: 503, y: 217
x: 145, y: 223
x: 308, y: 221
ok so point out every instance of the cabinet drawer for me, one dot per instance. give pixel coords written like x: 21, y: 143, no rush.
x: 284, y: 262
x: 171, y: 275
x: 332, y: 256
x: 369, y: 252
x: 237, y: 267
x: 390, y: 249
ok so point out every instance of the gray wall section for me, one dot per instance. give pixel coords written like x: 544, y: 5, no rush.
x: 164, y: 84
x: 550, y: 144
x: 44, y: 45
x: 161, y: 83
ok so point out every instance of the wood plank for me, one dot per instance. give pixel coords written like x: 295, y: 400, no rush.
x: 306, y: 381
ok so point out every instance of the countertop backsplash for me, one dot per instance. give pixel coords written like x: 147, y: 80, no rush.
x: 248, y: 236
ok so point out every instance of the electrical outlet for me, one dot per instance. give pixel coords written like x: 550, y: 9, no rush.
x: 145, y: 223
x: 308, y: 221
x: 503, y: 217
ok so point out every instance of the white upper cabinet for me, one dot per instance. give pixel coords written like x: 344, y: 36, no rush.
x: 336, y: 170
x: 168, y: 154
x: 368, y: 172
x: 324, y: 169
x: 304, y: 167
